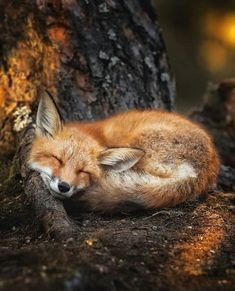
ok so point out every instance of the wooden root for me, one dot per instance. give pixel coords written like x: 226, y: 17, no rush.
x: 50, y: 212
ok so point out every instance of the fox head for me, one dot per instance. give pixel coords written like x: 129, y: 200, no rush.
x: 70, y: 159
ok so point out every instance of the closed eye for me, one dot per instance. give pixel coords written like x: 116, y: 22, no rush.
x: 57, y: 159
x: 82, y: 172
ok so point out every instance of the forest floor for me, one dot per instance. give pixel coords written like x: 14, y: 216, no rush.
x: 190, y: 247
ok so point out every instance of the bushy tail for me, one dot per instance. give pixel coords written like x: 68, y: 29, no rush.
x: 147, y: 190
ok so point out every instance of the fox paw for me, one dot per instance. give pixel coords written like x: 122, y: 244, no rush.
x: 163, y: 171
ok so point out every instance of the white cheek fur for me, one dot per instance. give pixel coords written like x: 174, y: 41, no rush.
x: 39, y: 168
x: 52, y: 184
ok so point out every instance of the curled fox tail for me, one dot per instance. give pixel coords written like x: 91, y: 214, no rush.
x: 146, y: 190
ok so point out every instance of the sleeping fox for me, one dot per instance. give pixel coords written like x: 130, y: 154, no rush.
x: 150, y: 158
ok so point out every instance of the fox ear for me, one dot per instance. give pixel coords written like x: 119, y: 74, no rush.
x: 120, y: 159
x: 48, y: 121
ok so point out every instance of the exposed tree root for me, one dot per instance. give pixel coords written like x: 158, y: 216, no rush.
x: 50, y: 213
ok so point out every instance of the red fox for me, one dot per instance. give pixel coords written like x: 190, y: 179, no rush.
x: 150, y: 158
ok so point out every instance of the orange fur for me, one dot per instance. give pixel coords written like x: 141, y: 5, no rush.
x: 176, y: 159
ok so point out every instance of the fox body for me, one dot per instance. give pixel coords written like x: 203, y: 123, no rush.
x: 150, y: 158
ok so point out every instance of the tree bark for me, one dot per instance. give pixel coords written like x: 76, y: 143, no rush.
x: 217, y: 113
x: 95, y: 57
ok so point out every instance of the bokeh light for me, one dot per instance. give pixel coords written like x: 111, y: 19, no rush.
x: 221, y: 27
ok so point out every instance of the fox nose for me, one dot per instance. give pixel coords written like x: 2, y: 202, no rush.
x: 63, y: 187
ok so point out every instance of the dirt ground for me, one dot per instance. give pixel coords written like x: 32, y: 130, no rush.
x: 190, y: 247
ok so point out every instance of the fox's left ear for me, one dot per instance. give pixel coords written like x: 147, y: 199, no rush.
x: 48, y: 119
x: 120, y: 159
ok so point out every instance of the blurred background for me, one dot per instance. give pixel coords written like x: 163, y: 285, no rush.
x: 200, y: 39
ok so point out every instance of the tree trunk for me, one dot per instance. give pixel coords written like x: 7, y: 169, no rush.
x: 95, y: 57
